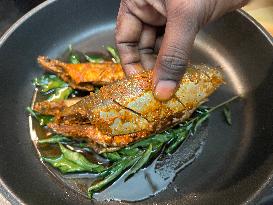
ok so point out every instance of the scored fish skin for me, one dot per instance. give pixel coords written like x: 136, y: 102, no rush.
x: 126, y: 111
x: 84, y: 76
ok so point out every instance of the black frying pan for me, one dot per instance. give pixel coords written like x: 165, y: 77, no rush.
x: 236, y: 164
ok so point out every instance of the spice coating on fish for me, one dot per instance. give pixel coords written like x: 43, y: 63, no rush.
x: 126, y: 111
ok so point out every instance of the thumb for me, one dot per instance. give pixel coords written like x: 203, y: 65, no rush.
x: 173, y: 55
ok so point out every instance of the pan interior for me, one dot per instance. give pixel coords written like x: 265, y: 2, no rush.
x: 235, y: 162
x: 152, y: 181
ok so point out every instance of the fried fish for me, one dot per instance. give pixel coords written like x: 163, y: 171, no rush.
x: 127, y: 111
x: 84, y: 76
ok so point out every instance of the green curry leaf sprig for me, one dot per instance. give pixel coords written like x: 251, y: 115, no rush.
x: 128, y: 160
x: 70, y: 161
x: 135, y: 156
x: 53, y: 87
x: 42, y: 119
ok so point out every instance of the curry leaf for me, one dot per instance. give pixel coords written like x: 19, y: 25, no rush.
x: 94, y: 58
x: 115, y: 172
x: 97, y: 89
x: 162, y: 137
x: 54, y: 139
x: 42, y: 119
x: 141, y: 162
x: 129, y: 151
x: 49, y: 82
x: 178, y: 141
x: 60, y: 94
x: 114, y: 54
x: 227, y: 114
x: 77, y: 144
x: 202, y: 118
x: 73, y: 57
x: 71, y: 161
x: 63, y: 164
x: 132, y: 157
x: 58, y: 89
x: 80, y: 160
x: 112, y: 156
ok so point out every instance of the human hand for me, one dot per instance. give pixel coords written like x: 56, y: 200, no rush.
x: 136, y: 34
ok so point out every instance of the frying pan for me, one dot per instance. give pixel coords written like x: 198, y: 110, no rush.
x: 236, y: 164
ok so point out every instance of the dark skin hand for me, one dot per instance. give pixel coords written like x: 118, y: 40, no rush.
x: 138, y: 23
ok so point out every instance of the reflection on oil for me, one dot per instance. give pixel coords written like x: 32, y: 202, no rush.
x: 157, y: 176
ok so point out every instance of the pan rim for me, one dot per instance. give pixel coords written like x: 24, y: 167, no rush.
x: 257, y: 24
x: 21, y: 20
x: 4, y: 189
x: 25, y: 17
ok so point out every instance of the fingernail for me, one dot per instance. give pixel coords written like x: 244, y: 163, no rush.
x: 165, y: 89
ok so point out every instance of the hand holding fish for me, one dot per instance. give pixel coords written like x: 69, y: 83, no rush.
x: 138, y: 24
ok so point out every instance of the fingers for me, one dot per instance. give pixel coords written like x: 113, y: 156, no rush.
x: 130, y: 34
x: 146, y: 12
x: 174, y: 54
x: 136, y: 41
x: 128, y: 31
x: 158, y: 43
x: 146, y: 46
